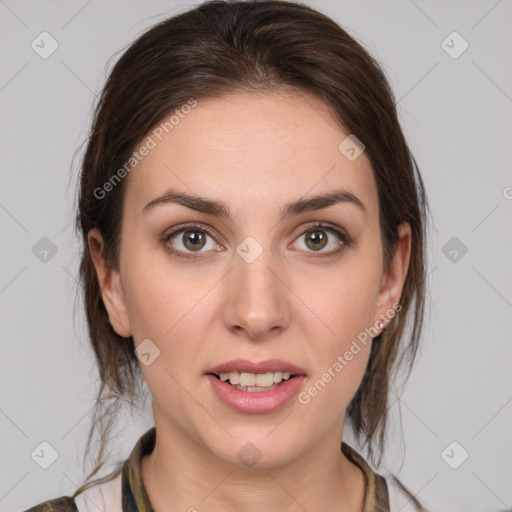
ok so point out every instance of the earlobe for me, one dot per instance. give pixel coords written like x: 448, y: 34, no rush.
x: 392, y: 282
x: 110, y: 285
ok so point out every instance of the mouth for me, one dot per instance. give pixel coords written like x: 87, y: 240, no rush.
x: 256, y: 388
x: 245, y: 375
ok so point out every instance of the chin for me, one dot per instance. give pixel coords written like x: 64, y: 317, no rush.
x: 258, y: 452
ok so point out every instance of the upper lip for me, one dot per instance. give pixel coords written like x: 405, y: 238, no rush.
x: 246, y: 366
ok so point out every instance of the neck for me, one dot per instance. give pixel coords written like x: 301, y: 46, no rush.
x: 182, y: 474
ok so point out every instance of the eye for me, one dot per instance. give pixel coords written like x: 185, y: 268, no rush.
x: 190, y: 238
x: 317, y: 238
x: 193, y: 238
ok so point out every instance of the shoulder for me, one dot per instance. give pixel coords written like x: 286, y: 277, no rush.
x: 102, y: 496
x: 402, y: 499
x: 106, y: 496
x: 62, y: 504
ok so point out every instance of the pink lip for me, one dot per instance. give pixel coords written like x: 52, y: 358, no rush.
x: 244, y: 365
x: 256, y: 402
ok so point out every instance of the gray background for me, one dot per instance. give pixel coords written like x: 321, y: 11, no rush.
x: 456, y: 113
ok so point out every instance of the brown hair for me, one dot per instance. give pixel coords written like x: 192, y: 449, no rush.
x: 227, y: 46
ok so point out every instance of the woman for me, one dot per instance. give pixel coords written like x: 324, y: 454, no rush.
x: 264, y: 138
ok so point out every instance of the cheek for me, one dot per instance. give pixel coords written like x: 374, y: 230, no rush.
x: 328, y: 393
x: 340, y: 304
x: 157, y: 299
x: 343, y: 304
x: 171, y: 311
x: 338, y: 358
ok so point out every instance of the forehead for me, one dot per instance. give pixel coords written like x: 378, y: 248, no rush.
x: 246, y: 147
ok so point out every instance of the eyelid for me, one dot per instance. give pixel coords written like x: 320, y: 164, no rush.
x: 187, y: 225
x: 323, y: 224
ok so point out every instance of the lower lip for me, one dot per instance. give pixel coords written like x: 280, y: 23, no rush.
x: 256, y: 402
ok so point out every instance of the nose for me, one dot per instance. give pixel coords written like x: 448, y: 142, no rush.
x: 256, y: 298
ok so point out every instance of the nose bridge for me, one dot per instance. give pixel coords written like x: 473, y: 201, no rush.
x: 256, y: 294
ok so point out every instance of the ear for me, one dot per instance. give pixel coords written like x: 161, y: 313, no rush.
x: 392, y: 283
x: 109, y: 281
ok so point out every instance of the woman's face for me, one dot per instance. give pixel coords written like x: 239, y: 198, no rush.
x: 257, y: 284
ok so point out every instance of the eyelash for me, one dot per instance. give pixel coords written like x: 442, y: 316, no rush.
x: 347, y: 241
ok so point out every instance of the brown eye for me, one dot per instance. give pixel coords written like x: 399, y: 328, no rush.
x: 193, y: 239
x: 317, y: 239
x: 189, y: 239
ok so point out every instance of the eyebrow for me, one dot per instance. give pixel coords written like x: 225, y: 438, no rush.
x: 210, y: 206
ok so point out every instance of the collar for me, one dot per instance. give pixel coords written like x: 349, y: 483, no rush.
x: 135, y: 498
x: 376, y: 497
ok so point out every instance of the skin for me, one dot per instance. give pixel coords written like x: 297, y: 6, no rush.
x: 255, y: 152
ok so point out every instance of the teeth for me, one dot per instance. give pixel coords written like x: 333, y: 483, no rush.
x: 247, y: 379
x: 252, y: 389
x: 263, y: 380
x: 277, y: 377
x: 234, y: 378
